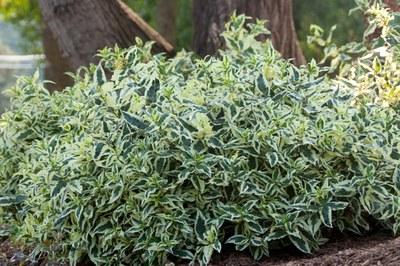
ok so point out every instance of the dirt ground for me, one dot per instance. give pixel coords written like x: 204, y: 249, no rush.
x: 374, y: 250
x: 9, y: 254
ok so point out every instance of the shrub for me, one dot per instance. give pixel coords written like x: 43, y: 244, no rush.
x: 375, y: 75
x: 146, y: 157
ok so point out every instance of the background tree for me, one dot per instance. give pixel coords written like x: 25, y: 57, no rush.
x: 26, y: 15
x: 167, y: 11
x: 83, y: 27
x: 392, y: 4
x: 210, y: 17
x: 80, y: 28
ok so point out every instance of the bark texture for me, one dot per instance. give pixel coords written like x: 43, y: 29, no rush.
x: 210, y: 17
x: 392, y: 4
x: 56, y: 64
x: 82, y: 27
x: 166, y: 19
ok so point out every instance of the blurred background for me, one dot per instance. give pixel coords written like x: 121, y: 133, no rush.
x: 21, y: 51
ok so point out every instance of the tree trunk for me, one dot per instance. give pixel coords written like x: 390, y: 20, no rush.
x: 56, y: 64
x: 392, y: 4
x: 166, y: 19
x: 82, y: 27
x: 210, y: 17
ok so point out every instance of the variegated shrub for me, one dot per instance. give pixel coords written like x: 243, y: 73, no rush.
x: 147, y: 159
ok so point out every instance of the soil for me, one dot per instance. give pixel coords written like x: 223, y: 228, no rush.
x: 372, y: 250
x: 10, y: 254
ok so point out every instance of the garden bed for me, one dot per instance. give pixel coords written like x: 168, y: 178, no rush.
x: 372, y: 250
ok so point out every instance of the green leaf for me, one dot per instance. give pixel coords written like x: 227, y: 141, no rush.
x: 276, y: 235
x: 273, y: 158
x: 237, y: 240
x: 296, y: 74
x: 160, y: 164
x: 183, y: 254
x: 313, y: 83
x: 258, y: 252
x: 102, y: 227
x: 337, y: 205
x: 255, y: 227
x: 326, y: 215
x: 262, y: 85
x: 151, y: 92
x: 207, y: 252
x: 396, y: 177
x: 229, y: 212
x: 61, y: 219
x: 6, y: 201
x: 344, y: 189
x: 217, y: 246
x: 395, y: 155
x: 198, y: 183
x: 134, y: 121
x: 200, y: 226
x: 301, y: 244
x: 98, y: 149
x: 117, y: 192
x: 58, y: 188
x: 187, y: 125
x: 100, y: 76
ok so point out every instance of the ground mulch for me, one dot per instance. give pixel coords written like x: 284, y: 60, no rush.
x: 10, y: 254
x: 372, y: 250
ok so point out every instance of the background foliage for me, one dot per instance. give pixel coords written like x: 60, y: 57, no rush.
x: 327, y: 14
x: 25, y: 14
